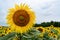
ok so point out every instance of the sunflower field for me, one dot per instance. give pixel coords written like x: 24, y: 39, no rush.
x: 35, y: 33
x: 20, y: 20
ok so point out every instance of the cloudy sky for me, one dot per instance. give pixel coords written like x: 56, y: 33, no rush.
x: 45, y: 10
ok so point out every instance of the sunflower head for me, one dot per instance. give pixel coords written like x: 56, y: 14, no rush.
x: 0, y: 27
x: 54, y: 36
x: 41, y: 29
x: 50, y: 34
x: 21, y: 18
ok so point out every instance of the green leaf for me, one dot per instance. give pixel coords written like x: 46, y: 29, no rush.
x: 31, y: 35
x: 8, y: 36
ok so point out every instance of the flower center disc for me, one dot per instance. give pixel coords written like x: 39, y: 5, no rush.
x: 40, y: 29
x: 21, y: 18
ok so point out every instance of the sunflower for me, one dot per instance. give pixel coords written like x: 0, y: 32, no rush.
x: 55, y: 36
x: 21, y: 18
x: 41, y: 29
x: 47, y: 29
x: 0, y: 27
x: 50, y: 34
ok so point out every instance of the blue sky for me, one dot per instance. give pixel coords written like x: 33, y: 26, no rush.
x: 45, y: 10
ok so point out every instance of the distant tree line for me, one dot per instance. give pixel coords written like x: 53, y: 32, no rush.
x: 46, y: 24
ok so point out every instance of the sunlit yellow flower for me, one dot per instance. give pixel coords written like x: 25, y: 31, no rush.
x: 2, y: 35
x: 41, y: 29
x: 50, y: 34
x: 7, y: 31
x: 51, y: 26
x: 0, y: 27
x: 21, y: 18
x: 47, y: 29
x: 55, y: 36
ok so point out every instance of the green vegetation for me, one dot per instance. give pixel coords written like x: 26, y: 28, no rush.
x: 46, y: 24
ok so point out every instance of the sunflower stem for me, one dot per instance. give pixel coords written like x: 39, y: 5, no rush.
x: 21, y: 37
